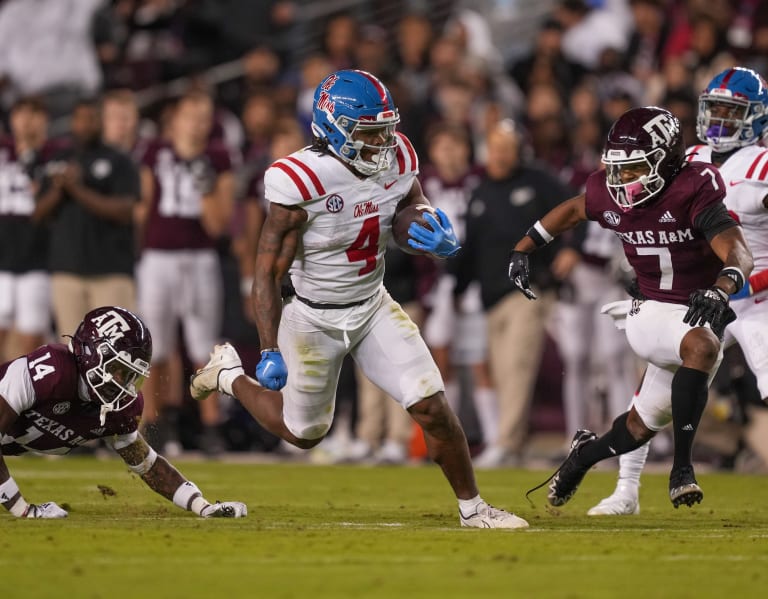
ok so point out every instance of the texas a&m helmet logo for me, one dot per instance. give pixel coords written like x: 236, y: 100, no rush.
x: 662, y: 128
x: 111, y: 325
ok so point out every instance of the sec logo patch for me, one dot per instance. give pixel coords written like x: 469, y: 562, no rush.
x: 334, y: 203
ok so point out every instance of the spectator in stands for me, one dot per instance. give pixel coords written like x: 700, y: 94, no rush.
x: 457, y: 338
x: 588, y: 30
x: 47, y: 48
x: 89, y: 197
x: 510, y: 193
x: 25, y: 301
x: 546, y: 63
x: 187, y: 201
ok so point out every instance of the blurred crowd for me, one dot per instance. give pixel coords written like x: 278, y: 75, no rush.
x: 94, y: 93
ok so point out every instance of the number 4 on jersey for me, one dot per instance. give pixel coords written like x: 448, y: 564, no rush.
x: 366, y: 246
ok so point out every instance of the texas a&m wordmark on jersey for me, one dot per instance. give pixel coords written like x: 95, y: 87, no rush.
x: 745, y: 174
x: 670, y: 255
x: 44, y: 388
x: 341, y: 255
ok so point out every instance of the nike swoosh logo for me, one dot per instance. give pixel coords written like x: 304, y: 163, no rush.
x: 734, y: 183
x: 761, y: 300
x: 390, y: 184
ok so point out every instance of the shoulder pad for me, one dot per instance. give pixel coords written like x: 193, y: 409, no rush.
x: 755, y: 164
x: 291, y: 180
x: 407, y: 160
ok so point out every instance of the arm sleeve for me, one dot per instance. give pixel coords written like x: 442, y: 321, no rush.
x: 714, y: 219
x: 16, y: 386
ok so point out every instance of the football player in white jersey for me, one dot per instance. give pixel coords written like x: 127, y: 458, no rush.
x: 331, y: 212
x: 732, y: 119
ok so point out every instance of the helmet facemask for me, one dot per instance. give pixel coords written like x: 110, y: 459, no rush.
x: 354, y: 149
x: 629, y: 194
x: 725, y: 123
x: 115, y: 379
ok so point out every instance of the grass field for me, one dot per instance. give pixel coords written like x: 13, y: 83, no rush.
x: 321, y: 531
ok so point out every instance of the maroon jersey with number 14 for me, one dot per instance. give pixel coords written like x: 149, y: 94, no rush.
x: 58, y: 419
x: 670, y: 255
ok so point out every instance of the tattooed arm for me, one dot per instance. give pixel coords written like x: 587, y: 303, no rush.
x: 164, y: 479
x: 277, y: 248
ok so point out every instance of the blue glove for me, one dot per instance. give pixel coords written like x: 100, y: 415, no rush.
x: 440, y: 241
x: 271, y: 371
x: 745, y: 291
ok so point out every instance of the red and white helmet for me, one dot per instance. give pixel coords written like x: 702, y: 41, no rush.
x: 642, y: 136
x: 113, y: 350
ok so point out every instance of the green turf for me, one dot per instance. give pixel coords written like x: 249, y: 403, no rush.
x: 316, y: 531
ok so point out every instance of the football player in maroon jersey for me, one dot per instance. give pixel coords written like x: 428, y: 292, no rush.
x: 688, y: 254
x: 59, y: 397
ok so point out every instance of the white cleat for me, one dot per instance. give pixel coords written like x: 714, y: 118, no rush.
x: 487, y: 516
x: 206, y: 380
x: 617, y: 504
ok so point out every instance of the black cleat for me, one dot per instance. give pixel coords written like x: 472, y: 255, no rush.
x: 569, y: 475
x: 683, y: 488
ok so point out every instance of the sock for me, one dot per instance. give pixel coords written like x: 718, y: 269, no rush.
x: 487, y: 408
x: 615, y: 442
x: 630, y: 466
x: 689, y: 397
x: 467, y: 507
x: 227, y: 377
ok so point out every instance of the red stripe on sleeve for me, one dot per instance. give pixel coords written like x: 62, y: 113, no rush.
x: 400, y: 160
x: 310, y: 173
x: 408, y: 146
x: 763, y: 171
x: 305, y: 195
x: 755, y: 163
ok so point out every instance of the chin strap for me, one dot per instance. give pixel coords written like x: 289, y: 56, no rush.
x: 105, y: 409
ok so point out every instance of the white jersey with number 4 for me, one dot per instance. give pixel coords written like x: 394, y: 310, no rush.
x: 340, y: 257
x: 745, y: 174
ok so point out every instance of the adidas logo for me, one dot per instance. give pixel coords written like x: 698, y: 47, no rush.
x: 687, y: 427
x: 4, y: 498
x: 667, y: 217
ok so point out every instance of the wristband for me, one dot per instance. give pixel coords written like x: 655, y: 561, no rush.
x: 734, y: 274
x: 8, y: 490
x: 185, y: 495
x: 539, y: 234
x: 270, y: 349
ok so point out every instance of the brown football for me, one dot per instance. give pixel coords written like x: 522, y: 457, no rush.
x: 403, y: 220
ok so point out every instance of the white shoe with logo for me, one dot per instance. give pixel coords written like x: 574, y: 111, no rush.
x: 206, y: 380
x: 487, y: 516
